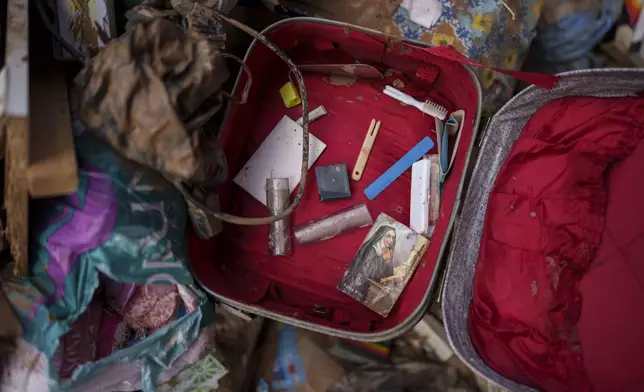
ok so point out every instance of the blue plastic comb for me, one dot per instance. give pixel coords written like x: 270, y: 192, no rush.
x: 399, y: 168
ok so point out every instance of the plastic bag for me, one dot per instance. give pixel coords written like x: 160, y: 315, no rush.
x: 126, y: 223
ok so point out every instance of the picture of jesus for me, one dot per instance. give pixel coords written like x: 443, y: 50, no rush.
x: 373, y: 262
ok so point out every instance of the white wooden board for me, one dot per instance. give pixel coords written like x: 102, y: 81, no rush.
x: 279, y: 156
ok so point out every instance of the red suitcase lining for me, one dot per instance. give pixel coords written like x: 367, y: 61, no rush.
x: 559, y: 279
x: 236, y: 264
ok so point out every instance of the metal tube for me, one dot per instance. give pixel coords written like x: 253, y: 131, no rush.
x: 333, y: 225
x: 277, y: 200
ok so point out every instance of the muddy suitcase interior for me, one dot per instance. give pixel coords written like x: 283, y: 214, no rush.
x: 349, y: 74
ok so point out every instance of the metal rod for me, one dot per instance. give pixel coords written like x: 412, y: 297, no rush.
x: 277, y: 200
x: 333, y: 225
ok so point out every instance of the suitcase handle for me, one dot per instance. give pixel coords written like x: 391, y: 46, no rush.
x: 248, y: 221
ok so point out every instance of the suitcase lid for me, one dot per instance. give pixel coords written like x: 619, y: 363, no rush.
x: 504, y: 128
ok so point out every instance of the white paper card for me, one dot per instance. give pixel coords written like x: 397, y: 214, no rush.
x: 279, y: 156
x: 424, y: 12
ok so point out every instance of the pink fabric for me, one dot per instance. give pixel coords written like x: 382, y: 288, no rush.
x: 152, y: 306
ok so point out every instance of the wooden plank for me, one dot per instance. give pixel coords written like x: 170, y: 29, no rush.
x: 52, y: 167
x: 367, y: 145
x: 17, y: 132
x: 16, y: 200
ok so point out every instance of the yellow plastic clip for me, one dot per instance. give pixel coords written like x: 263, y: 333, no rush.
x: 289, y: 95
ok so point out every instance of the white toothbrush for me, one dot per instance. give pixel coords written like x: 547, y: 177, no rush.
x: 428, y: 107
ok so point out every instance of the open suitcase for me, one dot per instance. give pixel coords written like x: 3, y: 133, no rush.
x: 544, y: 280
x: 302, y: 289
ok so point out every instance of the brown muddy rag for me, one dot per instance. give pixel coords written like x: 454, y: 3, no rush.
x: 144, y: 91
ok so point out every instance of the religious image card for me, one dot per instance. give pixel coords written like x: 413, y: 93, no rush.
x: 383, y: 265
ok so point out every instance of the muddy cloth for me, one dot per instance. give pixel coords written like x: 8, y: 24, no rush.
x: 366, y: 13
x: 197, y: 14
x: 544, y: 225
x: 144, y: 93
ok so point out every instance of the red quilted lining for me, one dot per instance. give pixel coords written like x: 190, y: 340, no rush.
x: 536, y: 315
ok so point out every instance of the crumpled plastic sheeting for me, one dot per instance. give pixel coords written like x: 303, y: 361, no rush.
x: 123, y: 222
x: 409, y: 376
x: 143, y: 93
x: 28, y: 369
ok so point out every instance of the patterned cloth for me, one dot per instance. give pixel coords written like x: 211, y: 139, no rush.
x: 152, y: 306
x: 484, y: 31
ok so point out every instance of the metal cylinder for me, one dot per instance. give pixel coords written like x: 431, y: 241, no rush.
x: 333, y: 225
x: 277, y: 200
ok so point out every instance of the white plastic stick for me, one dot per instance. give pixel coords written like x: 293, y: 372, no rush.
x: 419, y: 204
